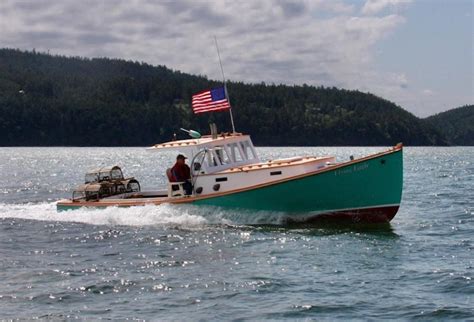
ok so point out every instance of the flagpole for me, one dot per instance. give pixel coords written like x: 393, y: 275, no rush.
x: 225, y: 86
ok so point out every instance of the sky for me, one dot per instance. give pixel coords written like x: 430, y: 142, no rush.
x: 418, y: 54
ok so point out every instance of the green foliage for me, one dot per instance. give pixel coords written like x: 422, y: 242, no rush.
x: 56, y: 100
x: 457, y: 124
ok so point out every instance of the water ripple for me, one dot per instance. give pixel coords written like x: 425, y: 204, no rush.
x: 190, y: 263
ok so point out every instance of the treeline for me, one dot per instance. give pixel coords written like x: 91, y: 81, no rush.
x: 71, y: 101
x: 457, y: 125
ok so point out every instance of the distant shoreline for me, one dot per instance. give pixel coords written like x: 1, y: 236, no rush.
x: 50, y: 100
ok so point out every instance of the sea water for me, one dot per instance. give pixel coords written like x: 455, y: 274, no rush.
x: 188, y: 263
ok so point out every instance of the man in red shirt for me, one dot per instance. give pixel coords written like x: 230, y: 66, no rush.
x: 180, y: 172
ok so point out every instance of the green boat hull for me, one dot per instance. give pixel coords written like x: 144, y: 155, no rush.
x: 368, y: 190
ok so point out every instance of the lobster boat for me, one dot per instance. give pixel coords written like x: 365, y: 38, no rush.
x: 226, y: 171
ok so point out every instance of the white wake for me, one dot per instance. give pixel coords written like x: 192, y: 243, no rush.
x: 134, y: 216
x: 161, y: 215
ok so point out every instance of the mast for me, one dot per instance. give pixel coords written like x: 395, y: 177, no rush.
x: 225, y: 86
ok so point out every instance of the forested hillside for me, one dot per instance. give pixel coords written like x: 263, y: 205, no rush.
x: 54, y: 100
x: 457, y: 125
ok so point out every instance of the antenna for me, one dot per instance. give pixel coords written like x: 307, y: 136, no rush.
x: 225, y: 86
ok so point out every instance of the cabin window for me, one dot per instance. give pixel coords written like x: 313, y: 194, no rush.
x: 212, y: 159
x: 247, y: 150
x: 235, y: 152
x: 217, y: 157
x: 222, y: 154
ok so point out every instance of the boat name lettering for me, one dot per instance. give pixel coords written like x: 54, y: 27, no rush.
x: 360, y: 167
x: 354, y: 168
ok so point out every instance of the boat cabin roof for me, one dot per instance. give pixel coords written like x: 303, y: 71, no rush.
x: 205, y: 140
x: 214, y: 154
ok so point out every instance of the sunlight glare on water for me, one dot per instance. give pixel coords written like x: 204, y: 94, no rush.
x: 186, y: 262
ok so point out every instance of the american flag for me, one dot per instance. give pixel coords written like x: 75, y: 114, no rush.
x: 210, y: 100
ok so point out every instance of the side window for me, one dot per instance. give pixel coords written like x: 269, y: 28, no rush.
x: 221, y: 153
x: 244, y: 150
x: 218, y: 156
x: 235, y: 152
x: 247, y: 150
x: 212, y: 159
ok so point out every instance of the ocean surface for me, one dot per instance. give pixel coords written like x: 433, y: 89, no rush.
x: 197, y: 263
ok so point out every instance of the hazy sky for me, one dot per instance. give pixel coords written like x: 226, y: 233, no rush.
x: 418, y: 54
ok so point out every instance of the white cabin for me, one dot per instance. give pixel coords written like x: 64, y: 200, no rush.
x: 229, y: 162
x: 209, y: 155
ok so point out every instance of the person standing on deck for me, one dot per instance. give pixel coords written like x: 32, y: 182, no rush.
x: 180, y: 172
